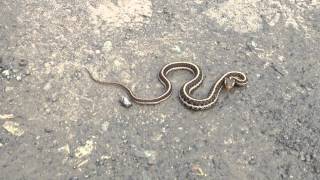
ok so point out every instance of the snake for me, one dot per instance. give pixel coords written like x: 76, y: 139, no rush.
x: 228, y: 80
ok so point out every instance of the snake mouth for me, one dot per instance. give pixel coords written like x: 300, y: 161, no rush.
x: 229, y: 83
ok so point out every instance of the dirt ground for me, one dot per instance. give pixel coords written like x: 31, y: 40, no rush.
x: 56, y: 123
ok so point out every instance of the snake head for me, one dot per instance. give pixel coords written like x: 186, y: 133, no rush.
x: 229, y: 83
x: 235, y: 78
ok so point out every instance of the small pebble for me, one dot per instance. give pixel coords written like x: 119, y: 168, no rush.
x: 28, y: 72
x: 23, y: 62
x: 47, y: 130
x: 258, y: 75
x: 176, y: 49
x: 302, y: 156
x: 151, y: 156
x: 252, y: 160
x: 251, y: 45
x: 177, y: 140
x: 99, y: 162
x: 47, y: 86
x: 195, y: 168
x: 54, y: 97
x: 18, y: 78
x: 125, y: 102
x: 254, y: 44
x: 105, y: 126
x: 308, y: 157
x: 74, y: 178
x: 8, y: 89
x: 107, y: 46
x: 224, y: 45
x: 77, y: 75
x: 6, y: 73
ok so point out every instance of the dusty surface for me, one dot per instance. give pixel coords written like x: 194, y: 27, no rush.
x: 55, y: 123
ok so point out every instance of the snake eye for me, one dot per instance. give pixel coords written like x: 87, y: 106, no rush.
x: 229, y: 83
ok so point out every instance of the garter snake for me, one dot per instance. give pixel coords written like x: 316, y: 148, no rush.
x: 227, y: 80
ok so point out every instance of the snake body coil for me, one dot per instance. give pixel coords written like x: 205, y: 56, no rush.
x: 228, y: 80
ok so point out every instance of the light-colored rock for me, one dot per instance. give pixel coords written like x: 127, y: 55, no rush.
x: 65, y: 149
x: 47, y: 86
x: 6, y: 73
x: 18, y: 78
x: 85, y: 150
x: 105, y: 126
x: 6, y: 116
x: 13, y: 128
x: 125, y: 102
x: 8, y: 88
